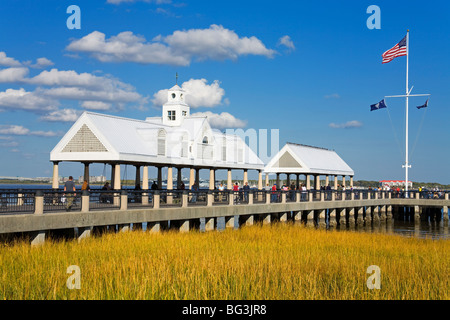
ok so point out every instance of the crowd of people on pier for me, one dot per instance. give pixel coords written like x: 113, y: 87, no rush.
x: 242, y: 191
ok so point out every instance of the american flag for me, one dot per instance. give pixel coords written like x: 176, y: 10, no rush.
x: 397, y: 51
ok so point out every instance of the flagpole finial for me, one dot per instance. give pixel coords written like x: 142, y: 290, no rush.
x: 176, y: 78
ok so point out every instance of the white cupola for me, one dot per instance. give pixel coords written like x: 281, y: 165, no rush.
x: 175, y: 109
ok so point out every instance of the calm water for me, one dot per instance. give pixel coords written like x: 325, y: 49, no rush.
x: 424, y: 229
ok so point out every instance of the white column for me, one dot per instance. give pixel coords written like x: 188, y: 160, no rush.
x: 116, y: 176
x: 317, y: 181
x: 145, y: 178
x: 260, y: 186
x: 169, y: 197
x: 169, y: 178
x: 245, y: 176
x: 55, y: 181
x: 229, y: 180
x: 211, y: 179
x: 308, y: 182
x: 191, y: 177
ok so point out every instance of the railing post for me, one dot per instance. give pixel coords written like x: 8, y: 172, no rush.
x: 230, y: 197
x: 209, y: 198
x: 19, y: 197
x: 156, y: 199
x: 353, y: 195
x: 310, y: 196
x: 39, y: 202
x: 144, y: 198
x: 322, y: 196
x: 283, y: 197
x: 250, y: 197
x: 84, y: 201
x: 268, y: 196
x: 38, y: 237
x: 123, y: 200
x: 185, y: 198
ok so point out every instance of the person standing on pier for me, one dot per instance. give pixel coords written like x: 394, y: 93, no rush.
x: 246, y: 189
x: 69, y: 187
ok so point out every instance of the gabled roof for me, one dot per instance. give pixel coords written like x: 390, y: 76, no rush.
x: 297, y: 158
x: 96, y: 137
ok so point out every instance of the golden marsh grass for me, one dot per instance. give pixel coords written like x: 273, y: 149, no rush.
x: 280, y: 261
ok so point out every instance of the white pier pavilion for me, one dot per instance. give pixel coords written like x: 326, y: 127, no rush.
x: 175, y: 140
x: 296, y: 159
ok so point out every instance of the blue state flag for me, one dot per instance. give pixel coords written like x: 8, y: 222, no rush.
x: 378, y: 105
x: 424, y: 106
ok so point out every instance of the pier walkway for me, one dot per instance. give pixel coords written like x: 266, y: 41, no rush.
x: 39, y: 212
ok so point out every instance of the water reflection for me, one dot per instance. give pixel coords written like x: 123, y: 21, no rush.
x: 405, y: 227
x: 422, y: 230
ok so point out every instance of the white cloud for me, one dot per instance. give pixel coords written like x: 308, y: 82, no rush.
x: 13, y: 129
x: 347, y: 125
x: 64, y: 115
x: 7, y: 61
x: 70, y: 78
x: 96, y: 105
x: 74, y: 93
x: 332, y: 96
x: 179, y: 48
x: 44, y: 133
x: 9, y: 144
x: 287, y: 42
x: 125, y: 47
x: 216, y: 43
x: 223, y: 120
x: 42, y: 63
x: 86, y: 87
x: 22, y: 131
x: 198, y: 94
x: 21, y: 99
x: 13, y: 74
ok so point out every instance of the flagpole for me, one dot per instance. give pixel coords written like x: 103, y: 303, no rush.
x: 407, y: 166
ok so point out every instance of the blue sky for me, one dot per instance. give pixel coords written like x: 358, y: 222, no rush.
x: 310, y: 69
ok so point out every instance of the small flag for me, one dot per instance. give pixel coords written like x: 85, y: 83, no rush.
x: 378, y: 105
x: 397, y: 51
x: 424, y: 106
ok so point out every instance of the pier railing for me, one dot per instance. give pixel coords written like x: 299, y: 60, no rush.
x: 49, y: 200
